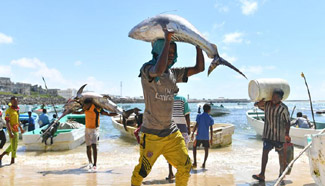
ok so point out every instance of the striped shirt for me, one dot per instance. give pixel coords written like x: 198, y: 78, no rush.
x: 277, y: 118
x: 180, y: 110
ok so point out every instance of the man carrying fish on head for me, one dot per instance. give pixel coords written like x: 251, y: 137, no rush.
x: 159, y: 135
x: 92, y: 129
x: 276, y: 130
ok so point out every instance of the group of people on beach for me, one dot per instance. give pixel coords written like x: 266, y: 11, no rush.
x: 165, y: 128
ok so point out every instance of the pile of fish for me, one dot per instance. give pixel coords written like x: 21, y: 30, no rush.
x: 151, y: 29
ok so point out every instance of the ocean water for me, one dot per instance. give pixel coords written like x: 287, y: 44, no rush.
x: 237, y: 117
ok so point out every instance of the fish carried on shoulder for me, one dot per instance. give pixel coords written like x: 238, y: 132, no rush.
x: 151, y: 29
x: 101, y: 101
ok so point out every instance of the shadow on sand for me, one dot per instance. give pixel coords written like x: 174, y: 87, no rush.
x: 267, y: 183
x: 77, y: 171
x: 198, y: 171
x: 154, y: 182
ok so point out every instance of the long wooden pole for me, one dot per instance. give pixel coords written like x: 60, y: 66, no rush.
x: 293, y: 161
x: 311, y: 104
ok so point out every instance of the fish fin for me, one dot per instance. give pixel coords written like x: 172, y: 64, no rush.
x: 220, y: 61
x: 81, y: 89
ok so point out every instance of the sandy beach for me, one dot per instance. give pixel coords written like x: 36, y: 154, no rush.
x: 232, y: 165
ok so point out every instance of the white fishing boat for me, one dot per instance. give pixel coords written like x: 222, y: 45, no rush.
x: 64, y: 139
x: 117, y: 123
x: 222, y: 135
x: 256, y: 119
x: 216, y: 110
x: 316, y: 155
x: 222, y: 132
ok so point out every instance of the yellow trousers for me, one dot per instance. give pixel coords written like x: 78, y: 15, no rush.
x: 13, y: 145
x: 172, y: 147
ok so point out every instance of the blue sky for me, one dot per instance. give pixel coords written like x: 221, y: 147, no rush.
x: 75, y: 42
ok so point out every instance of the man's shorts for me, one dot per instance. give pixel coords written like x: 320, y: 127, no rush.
x: 269, y: 145
x: 205, y: 143
x: 91, y: 136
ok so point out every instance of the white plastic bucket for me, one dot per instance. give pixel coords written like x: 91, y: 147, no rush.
x: 263, y: 88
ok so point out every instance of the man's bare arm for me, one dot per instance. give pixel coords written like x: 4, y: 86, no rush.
x: 199, y: 67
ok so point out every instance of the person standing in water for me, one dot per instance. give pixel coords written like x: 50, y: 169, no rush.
x: 13, y: 126
x: 276, y: 130
x: 159, y: 135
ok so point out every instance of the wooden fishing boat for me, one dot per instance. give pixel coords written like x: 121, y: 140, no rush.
x: 64, y: 139
x: 117, y: 123
x: 316, y: 155
x: 256, y: 119
x: 222, y: 135
x: 222, y: 132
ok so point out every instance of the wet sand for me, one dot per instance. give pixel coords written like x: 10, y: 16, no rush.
x: 232, y: 165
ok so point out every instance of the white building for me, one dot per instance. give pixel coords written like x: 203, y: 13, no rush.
x: 67, y: 94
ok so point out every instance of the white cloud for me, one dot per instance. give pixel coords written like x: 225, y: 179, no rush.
x: 220, y: 7
x: 77, y: 63
x: 4, y: 39
x: 255, y: 70
x: 248, y: 7
x: 5, y: 70
x: 32, y: 63
x: 219, y: 26
x: 230, y: 59
x: 235, y: 37
x: 41, y: 69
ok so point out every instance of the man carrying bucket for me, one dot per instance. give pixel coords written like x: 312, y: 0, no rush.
x: 276, y: 130
x: 160, y: 136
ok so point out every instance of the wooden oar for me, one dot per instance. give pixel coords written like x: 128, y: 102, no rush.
x: 293, y: 161
x: 311, y: 104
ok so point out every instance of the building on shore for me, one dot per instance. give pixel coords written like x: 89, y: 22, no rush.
x: 6, y: 85
x: 67, y: 94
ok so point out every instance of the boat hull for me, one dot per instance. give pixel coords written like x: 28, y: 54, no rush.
x: 116, y: 122
x: 222, y: 132
x: 316, y: 155
x: 222, y: 135
x: 297, y: 134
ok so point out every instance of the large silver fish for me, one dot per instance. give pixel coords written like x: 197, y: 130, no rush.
x: 151, y: 29
x: 102, y: 101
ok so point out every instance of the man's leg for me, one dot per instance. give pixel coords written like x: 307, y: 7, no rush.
x: 171, y: 174
x: 14, y: 147
x: 282, y: 161
x: 150, y: 149
x: 2, y: 138
x: 89, y: 154
x: 265, y: 158
x: 194, y: 154
x: 176, y: 154
x: 94, y: 147
x: 206, y: 154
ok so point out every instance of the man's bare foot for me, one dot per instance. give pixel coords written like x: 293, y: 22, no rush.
x: 12, y: 161
x: 259, y: 177
x: 194, y: 165
x: 203, y: 165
